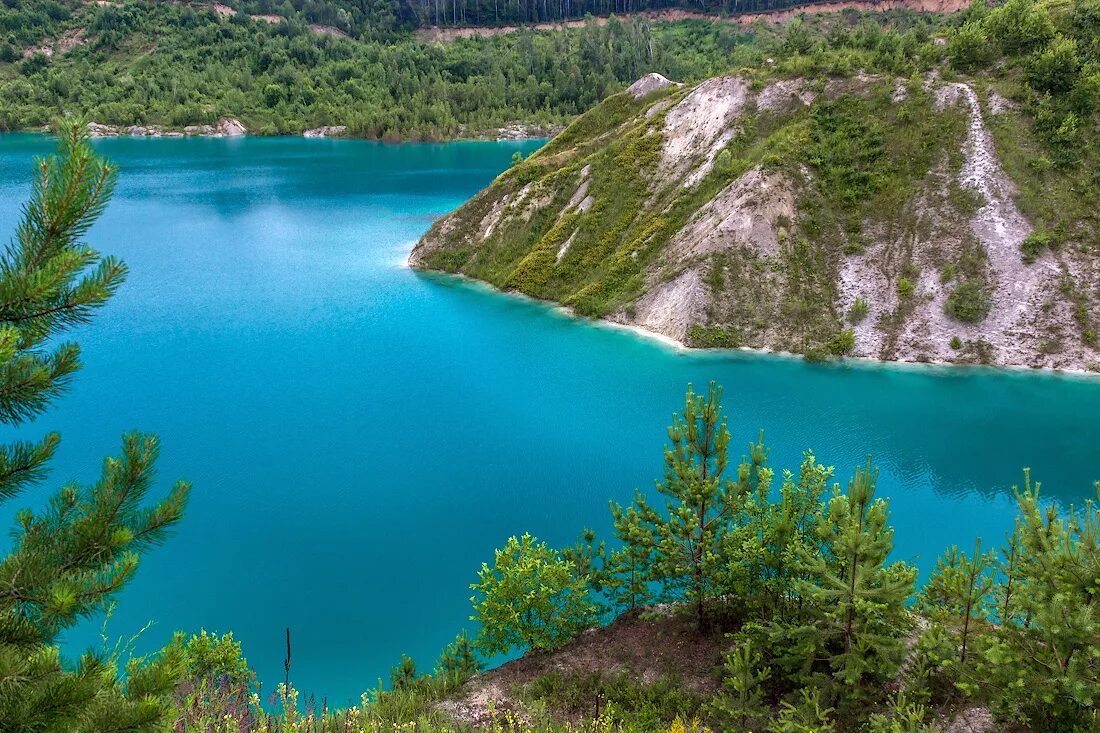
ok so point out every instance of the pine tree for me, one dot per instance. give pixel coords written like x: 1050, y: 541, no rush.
x: 629, y: 566
x: 857, y: 600
x: 786, y: 532
x: 742, y: 697
x: 589, y: 560
x: 1008, y: 567
x: 685, y: 542
x: 66, y: 561
x: 403, y: 675
x: 1043, y: 666
x: 958, y: 590
x: 459, y: 660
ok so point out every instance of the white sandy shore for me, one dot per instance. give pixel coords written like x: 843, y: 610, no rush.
x: 679, y: 347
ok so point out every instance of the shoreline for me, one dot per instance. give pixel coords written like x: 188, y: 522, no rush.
x: 543, y: 135
x: 680, y: 348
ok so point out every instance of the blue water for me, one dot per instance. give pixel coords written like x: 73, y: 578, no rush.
x: 360, y: 437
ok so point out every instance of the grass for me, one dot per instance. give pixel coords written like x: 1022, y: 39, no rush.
x: 634, y: 704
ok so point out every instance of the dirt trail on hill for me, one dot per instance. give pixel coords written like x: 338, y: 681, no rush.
x: 437, y: 34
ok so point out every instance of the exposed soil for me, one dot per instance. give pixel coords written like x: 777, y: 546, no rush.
x: 700, y: 125
x: 437, y: 34
x: 661, y: 644
x: 67, y: 42
x: 647, y: 85
x: 645, y: 646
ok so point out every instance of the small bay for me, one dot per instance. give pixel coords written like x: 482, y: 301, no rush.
x: 361, y: 436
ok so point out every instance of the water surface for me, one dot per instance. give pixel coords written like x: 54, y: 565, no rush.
x: 360, y: 437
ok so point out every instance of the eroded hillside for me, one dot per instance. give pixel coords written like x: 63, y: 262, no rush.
x: 866, y: 215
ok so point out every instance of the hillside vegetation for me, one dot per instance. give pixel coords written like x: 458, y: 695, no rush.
x: 143, y: 64
x: 897, y: 196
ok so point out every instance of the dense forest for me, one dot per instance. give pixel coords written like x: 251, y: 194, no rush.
x: 366, y: 18
x: 787, y: 574
x: 174, y: 65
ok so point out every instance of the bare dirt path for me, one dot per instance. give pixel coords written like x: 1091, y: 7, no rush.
x: 437, y: 34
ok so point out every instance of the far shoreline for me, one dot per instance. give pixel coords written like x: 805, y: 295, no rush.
x: 542, y: 135
x: 677, y: 347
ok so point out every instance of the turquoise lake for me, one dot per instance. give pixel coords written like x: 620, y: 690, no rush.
x: 360, y: 437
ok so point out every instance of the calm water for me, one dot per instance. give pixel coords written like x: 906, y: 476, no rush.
x: 361, y: 437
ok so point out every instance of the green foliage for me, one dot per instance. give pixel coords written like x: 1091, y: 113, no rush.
x: 215, y: 683
x: 843, y: 342
x: 184, y: 67
x: 742, y: 699
x: 1054, y: 68
x: 958, y: 590
x: 629, y: 566
x: 712, y: 337
x: 66, y: 562
x: 860, y: 599
x: 969, y: 302
x: 627, y: 700
x: 956, y: 343
x: 1019, y: 27
x: 904, y: 717
x: 209, y: 656
x: 1035, y: 244
x: 969, y: 47
x: 530, y: 598
x: 1042, y: 666
x: 684, y: 545
x: 807, y: 715
x: 847, y: 147
x: 458, y: 659
x: 858, y: 311
x: 905, y: 288
x: 403, y: 675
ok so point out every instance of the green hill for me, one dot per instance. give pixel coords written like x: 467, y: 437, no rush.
x: 826, y: 203
x: 282, y: 69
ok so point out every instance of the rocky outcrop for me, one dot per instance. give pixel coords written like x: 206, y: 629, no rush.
x: 225, y: 127
x: 647, y: 85
x: 327, y: 131
x: 701, y: 213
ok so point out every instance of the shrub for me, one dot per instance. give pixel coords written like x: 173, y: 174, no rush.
x: 956, y: 343
x: 843, y: 342
x: 969, y: 303
x: 969, y: 48
x: 530, y: 598
x: 1033, y: 246
x: 1018, y: 27
x: 858, y: 311
x: 712, y: 337
x: 905, y: 288
x: 1055, y: 68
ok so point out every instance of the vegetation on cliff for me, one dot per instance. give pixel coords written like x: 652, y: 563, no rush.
x: 852, y: 194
